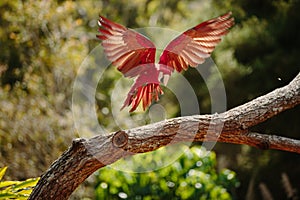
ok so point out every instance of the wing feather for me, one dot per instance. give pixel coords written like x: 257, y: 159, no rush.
x: 134, y: 55
x: 125, y: 48
x: 194, y: 45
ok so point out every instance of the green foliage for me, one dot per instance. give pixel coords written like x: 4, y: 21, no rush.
x: 41, y: 45
x: 259, y: 54
x: 192, y: 176
x: 16, y: 189
x: 263, y: 45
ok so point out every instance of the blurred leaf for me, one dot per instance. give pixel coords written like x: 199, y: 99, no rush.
x: 8, y: 183
x: 16, y: 189
x: 7, y: 195
x: 2, y: 172
x: 26, y: 184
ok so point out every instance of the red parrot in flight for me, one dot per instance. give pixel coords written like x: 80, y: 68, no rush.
x: 134, y: 55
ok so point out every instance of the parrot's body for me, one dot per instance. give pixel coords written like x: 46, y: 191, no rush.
x: 134, y: 55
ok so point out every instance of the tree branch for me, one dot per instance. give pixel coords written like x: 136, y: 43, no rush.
x: 86, y: 156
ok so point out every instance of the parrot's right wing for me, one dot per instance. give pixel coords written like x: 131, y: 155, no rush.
x: 194, y: 45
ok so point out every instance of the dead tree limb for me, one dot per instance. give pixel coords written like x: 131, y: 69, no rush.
x: 87, y: 155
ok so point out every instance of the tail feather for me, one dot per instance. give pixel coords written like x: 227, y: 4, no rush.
x: 146, y: 93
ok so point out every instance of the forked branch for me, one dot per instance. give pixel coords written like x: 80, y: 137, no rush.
x: 86, y: 156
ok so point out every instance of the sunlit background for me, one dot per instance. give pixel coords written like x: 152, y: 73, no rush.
x: 43, y: 43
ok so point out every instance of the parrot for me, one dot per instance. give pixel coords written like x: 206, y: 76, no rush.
x: 134, y: 55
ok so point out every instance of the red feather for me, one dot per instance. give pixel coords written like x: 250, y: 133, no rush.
x: 146, y: 88
x: 194, y: 45
x: 125, y: 48
x: 134, y: 54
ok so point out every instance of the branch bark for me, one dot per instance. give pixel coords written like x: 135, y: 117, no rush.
x: 87, y: 155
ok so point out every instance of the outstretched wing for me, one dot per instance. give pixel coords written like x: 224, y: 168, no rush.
x: 125, y: 48
x: 194, y: 45
x: 134, y: 55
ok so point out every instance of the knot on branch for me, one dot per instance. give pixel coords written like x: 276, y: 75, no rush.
x: 78, y: 143
x: 120, y: 139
